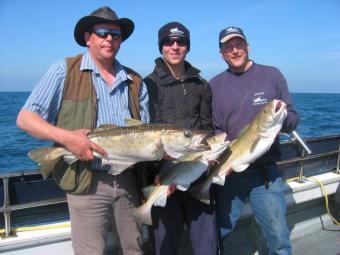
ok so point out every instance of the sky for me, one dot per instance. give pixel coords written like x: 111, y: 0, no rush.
x: 300, y: 37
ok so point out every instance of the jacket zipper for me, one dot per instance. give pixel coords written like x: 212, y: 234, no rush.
x: 184, y: 90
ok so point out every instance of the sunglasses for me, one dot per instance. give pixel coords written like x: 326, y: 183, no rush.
x: 104, y: 32
x: 170, y: 41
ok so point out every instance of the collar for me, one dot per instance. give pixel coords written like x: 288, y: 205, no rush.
x: 162, y: 70
x: 87, y: 63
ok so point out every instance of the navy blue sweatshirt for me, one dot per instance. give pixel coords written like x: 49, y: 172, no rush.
x: 237, y: 98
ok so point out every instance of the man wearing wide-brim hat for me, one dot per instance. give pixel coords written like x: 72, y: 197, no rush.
x: 75, y: 96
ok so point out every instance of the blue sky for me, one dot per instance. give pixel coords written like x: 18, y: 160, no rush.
x: 301, y: 38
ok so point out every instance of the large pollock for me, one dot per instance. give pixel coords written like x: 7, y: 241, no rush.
x: 251, y: 143
x: 126, y: 146
x: 182, y: 174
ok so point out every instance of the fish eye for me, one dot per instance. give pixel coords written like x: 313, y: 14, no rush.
x: 188, y: 133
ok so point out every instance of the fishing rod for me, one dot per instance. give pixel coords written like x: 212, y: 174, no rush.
x: 301, y: 142
x: 296, y: 137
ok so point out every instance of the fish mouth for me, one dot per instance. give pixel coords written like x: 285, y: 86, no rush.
x: 279, y: 106
x: 204, y: 142
x: 200, y: 142
x: 280, y: 110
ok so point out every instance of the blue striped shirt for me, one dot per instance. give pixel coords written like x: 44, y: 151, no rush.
x: 45, y: 98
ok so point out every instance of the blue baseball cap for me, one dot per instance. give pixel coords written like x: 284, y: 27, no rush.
x: 230, y: 32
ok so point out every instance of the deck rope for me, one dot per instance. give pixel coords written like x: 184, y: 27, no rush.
x: 324, y: 192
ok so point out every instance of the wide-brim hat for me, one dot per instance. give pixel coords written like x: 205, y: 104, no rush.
x: 102, y: 15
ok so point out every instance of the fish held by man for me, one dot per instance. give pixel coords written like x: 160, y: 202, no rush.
x: 182, y: 174
x: 251, y: 143
x: 126, y: 146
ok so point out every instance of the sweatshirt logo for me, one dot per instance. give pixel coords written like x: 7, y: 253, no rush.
x: 259, y: 99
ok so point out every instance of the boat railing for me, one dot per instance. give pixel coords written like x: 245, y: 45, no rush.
x: 303, y: 159
x: 8, y: 207
x: 298, y: 165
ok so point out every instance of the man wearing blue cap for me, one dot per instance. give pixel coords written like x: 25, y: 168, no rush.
x: 180, y: 96
x: 76, y: 95
x: 238, y: 94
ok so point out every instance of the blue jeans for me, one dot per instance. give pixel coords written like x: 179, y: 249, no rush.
x: 268, y: 205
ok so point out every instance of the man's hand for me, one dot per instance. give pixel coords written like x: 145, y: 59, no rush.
x: 172, y: 187
x: 80, y: 145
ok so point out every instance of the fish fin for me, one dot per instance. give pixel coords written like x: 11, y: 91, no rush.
x: 215, y: 151
x: 183, y: 187
x: 117, y: 167
x: 106, y: 126
x: 219, y: 180
x: 161, y: 201
x: 143, y: 214
x: 133, y: 122
x: 158, y: 150
x: 47, y: 158
x: 201, y: 193
x: 46, y: 153
x: 172, y: 153
x: 239, y: 167
x: 46, y: 167
x: 255, y: 143
x: 148, y: 190
x: 70, y: 159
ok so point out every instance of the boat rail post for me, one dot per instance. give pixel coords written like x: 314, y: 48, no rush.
x: 6, y: 207
x: 305, y: 149
x: 300, y: 179
x: 338, y: 162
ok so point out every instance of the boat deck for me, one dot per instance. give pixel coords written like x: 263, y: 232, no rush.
x: 324, y: 241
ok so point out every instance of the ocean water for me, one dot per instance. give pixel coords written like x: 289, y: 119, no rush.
x: 319, y: 116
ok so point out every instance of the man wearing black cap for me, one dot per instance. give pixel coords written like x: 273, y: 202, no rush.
x: 238, y: 94
x: 73, y: 97
x: 180, y: 96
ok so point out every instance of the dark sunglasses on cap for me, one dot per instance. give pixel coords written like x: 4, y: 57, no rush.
x: 104, y: 32
x: 169, y: 41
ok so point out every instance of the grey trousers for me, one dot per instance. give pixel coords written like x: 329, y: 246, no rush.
x: 110, y: 197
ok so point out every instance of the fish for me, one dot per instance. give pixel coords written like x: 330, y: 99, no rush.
x: 128, y: 145
x: 182, y: 174
x: 251, y: 143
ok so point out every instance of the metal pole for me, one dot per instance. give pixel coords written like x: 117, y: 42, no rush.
x: 7, y: 213
x: 300, y: 180
x: 338, y: 162
x: 302, y: 143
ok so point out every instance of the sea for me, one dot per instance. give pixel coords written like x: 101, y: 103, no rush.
x: 319, y: 115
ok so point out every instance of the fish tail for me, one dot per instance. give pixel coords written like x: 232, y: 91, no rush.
x: 143, y: 214
x: 201, y: 193
x: 46, y: 153
x: 47, y: 158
